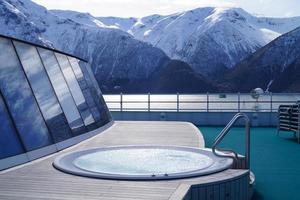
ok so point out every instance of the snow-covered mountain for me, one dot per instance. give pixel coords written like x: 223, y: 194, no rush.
x: 14, y: 23
x: 275, y: 67
x: 133, y: 55
x: 119, y: 61
x: 210, y: 39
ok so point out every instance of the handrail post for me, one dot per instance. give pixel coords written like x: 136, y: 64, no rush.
x: 149, y: 101
x: 247, y: 142
x: 177, y: 102
x: 207, y: 102
x: 271, y: 102
x: 121, y: 102
x: 239, y: 101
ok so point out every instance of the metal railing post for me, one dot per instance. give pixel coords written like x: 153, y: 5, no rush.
x: 149, y: 101
x: 207, y: 102
x: 271, y: 101
x: 121, y: 102
x: 177, y: 102
x: 239, y: 102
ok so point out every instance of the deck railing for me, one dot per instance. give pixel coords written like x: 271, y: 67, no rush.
x: 209, y: 102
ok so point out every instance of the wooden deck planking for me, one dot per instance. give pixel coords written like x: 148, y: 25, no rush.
x: 39, y: 180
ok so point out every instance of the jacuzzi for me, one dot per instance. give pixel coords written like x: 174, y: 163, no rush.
x: 142, y: 162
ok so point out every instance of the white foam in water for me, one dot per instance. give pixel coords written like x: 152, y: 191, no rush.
x: 142, y: 161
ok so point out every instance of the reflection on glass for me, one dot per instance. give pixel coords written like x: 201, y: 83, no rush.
x: 20, y: 101
x: 96, y: 93
x: 9, y: 142
x: 85, y: 89
x: 75, y: 89
x: 43, y: 91
x: 61, y: 89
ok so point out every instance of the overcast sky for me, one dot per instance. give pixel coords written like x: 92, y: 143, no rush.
x: 139, y: 8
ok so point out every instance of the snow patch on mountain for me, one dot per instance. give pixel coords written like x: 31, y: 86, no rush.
x: 82, y: 18
x: 121, y: 23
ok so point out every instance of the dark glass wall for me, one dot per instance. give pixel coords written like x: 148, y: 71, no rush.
x: 20, y: 101
x: 75, y: 89
x: 10, y: 144
x: 62, y: 91
x: 85, y: 89
x: 45, y: 97
x: 43, y: 91
x: 96, y: 93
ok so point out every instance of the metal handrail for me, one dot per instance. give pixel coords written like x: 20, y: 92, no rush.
x: 177, y: 104
x: 227, y: 153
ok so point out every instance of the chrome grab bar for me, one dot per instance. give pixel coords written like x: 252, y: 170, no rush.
x: 227, y: 153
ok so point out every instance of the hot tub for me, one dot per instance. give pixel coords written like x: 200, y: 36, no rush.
x: 142, y: 162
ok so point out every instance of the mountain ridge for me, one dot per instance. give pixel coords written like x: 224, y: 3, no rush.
x: 195, y: 36
x: 118, y: 60
x: 275, y: 67
x: 203, y: 47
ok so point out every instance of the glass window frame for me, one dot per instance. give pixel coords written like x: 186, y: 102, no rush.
x: 62, y: 91
x: 19, y: 146
x: 85, y: 88
x: 96, y: 93
x: 75, y: 89
x: 28, y: 131
x: 59, y: 128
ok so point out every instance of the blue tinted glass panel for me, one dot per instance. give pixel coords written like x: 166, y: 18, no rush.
x: 62, y: 91
x: 10, y: 145
x: 43, y: 91
x: 85, y: 89
x: 96, y: 93
x: 75, y: 89
x: 20, y: 100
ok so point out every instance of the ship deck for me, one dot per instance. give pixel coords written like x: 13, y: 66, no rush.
x: 40, y: 180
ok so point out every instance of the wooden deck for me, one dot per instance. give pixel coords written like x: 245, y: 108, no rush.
x: 39, y: 180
